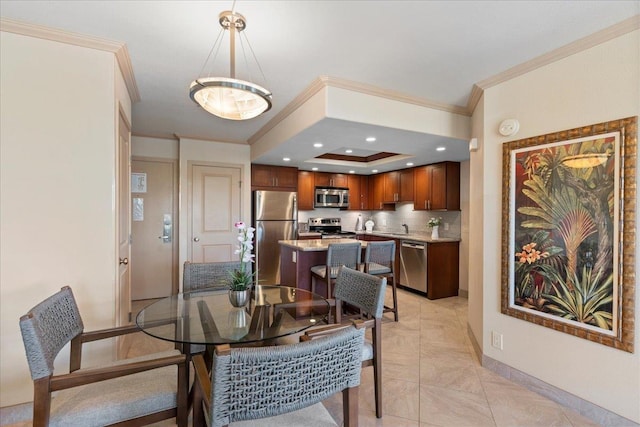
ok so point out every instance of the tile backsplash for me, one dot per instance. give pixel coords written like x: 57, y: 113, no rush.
x: 392, y: 220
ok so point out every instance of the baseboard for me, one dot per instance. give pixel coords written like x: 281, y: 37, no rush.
x: 583, y: 407
x: 464, y: 293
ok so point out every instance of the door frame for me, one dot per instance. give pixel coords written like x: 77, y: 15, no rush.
x: 175, y: 215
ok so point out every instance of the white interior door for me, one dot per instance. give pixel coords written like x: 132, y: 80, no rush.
x: 123, y: 308
x: 153, y: 234
x: 215, y: 207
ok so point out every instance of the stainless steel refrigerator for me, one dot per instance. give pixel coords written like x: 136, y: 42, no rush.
x: 275, y: 217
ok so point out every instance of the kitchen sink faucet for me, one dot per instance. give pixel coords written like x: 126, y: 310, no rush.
x: 406, y: 228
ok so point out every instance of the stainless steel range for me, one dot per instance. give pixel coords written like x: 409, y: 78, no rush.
x: 329, y: 228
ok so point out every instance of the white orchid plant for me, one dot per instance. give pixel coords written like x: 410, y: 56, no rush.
x: 434, y: 222
x: 242, y: 279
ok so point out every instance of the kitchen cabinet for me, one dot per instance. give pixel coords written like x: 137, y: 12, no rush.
x: 306, y: 190
x: 326, y: 179
x: 376, y: 192
x: 267, y: 177
x: 406, y: 185
x: 391, y: 187
x: 437, y: 187
x: 442, y: 269
x: 358, y: 192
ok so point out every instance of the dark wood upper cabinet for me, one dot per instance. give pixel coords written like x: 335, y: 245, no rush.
x: 326, y: 179
x: 267, y: 177
x: 376, y: 191
x: 391, y: 192
x: 358, y: 192
x: 306, y: 190
x: 406, y: 185
x: 437, y: 187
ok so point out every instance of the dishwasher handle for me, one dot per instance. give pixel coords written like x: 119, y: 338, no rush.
x: 412, y: 245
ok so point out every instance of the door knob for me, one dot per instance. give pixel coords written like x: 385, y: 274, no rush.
x: 196, y: 239
x: 124, y: 261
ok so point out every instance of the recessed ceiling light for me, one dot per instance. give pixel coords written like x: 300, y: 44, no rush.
x: 374, y: 170
x: 409, y: 164
x: 286, y: 159
x: 352, y: 171
x: 441, y: 148
x: 314, y: 169
x: 348, y: 151
x: 318, y: 144
x: 370, y: 139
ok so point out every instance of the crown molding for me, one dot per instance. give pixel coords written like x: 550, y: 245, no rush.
x: 199, y: 138
x: 602, y: 36
x: 117, y: 48
x: 326, y: 81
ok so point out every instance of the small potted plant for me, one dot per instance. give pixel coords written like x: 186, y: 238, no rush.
x: 434, y: 224
x: 241, y: 279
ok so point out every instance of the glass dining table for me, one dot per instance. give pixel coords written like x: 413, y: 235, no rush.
x: 208, y: 318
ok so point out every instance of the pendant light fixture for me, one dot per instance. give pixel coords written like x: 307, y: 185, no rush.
x: 228, y: 97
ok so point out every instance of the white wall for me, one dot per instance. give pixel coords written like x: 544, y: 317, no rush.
x: 593, y: 86
x: 57, y: 153
x: 464, y: 226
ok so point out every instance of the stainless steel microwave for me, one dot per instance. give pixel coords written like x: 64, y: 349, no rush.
x: 331, y: 197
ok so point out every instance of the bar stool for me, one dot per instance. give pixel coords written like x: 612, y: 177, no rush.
x: 379, y: 260
x: 338, y: 254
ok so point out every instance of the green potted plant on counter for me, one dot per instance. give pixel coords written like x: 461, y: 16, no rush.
x: 242, y: 279
x: 434, y: 224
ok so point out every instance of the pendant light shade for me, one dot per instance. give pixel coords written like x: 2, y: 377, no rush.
x: 230, y: 98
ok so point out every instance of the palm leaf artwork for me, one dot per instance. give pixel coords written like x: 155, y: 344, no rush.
x: 587, y: 301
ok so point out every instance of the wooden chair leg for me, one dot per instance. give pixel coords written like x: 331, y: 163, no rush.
x: 350, y: 406
x: 182, y: 398
x: 395, y: 299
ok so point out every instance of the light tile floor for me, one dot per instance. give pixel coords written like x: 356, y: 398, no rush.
x: 430, y: 376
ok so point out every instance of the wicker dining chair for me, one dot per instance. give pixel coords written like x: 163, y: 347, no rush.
x: 137, y: 391
x: 366, y: 293
x: 207, y: 275
x: 280, y: 385
x: 338, y: 254
x: 379, y: 260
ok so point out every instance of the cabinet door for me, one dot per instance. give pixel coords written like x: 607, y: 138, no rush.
x: 391, y: 187
x: 306, y: 189
x: 376, y: 190
x: 262, y: 176
x: 286, y: 177
x: 442, y: 270
x: 364, y: 193
x: 406, y: 185
x: 339, y: 180
x: 422, y: 188
x: 322, y: 179
x: 355, y: 193
x: 445, y: 186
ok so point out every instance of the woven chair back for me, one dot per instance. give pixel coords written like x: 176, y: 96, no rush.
x: 361, y: 290
x: 47, y: 328
x: 339, y: 254
x: 252, y: 383
x: 382, y: 253
x: 207, y: 275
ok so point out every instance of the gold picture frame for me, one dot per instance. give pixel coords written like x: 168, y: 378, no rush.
x: 568, y: 231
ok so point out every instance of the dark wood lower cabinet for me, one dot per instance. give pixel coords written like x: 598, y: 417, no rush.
x: 443, y: 261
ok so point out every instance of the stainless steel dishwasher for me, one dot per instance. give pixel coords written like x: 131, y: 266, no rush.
x: 413, y: 265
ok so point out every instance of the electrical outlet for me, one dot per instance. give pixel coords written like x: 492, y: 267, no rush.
x: 446, y: 226
x: 384, y: 222
x: 496, y: 340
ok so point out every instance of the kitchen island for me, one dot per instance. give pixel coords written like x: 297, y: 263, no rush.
x: 298, y: 256
x: 440, y: 275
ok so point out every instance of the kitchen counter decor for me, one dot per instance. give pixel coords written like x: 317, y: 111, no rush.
x: 434, y: 224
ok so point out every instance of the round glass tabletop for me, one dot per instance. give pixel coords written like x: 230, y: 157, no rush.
x: 207, y: 317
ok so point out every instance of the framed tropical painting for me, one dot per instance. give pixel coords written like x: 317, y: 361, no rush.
x: 568, y: 246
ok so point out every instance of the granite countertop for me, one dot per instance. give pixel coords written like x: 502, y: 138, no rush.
x: 311, y: 245
x: 416, y: 237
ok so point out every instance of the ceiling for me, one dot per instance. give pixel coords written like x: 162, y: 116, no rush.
x: 431, y: 50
